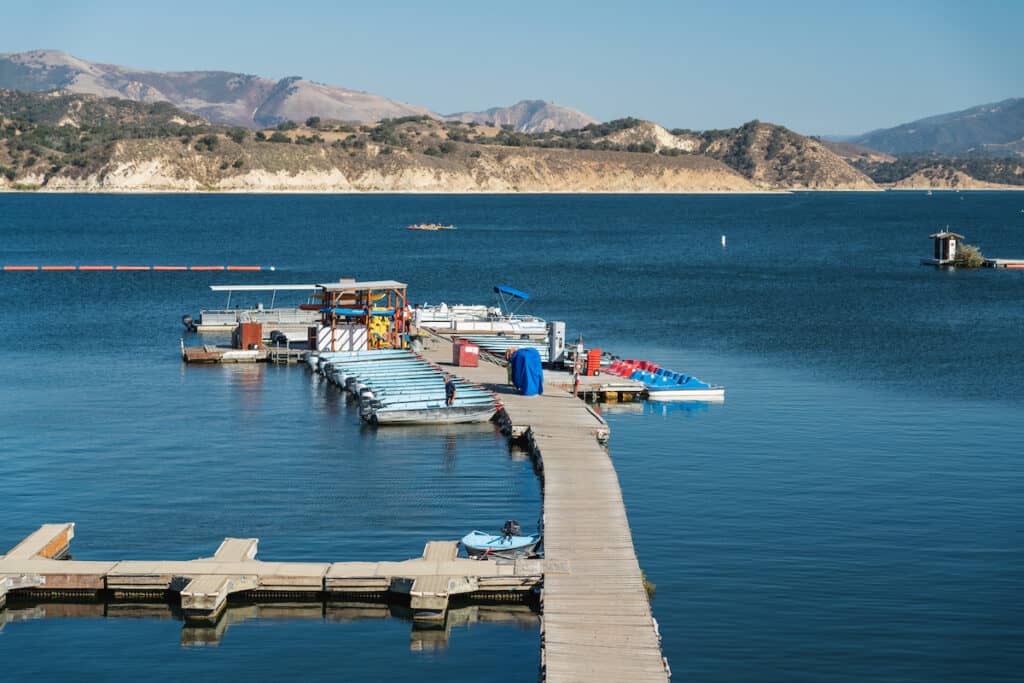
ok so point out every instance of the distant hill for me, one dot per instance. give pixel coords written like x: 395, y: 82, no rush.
x: 528, y: 116
x: 993, y: 129
x: 65, y: 141
x: 84, y: 143
x: 219, y: 96
x: 775, y: 157
x: 851, y: 152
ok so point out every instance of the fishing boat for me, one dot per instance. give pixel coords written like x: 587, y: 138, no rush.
x: 666, y: 385
x: 509, y: 544
x: 430, y: 227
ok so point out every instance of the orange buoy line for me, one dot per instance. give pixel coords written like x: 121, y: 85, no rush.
x: 138, y: 268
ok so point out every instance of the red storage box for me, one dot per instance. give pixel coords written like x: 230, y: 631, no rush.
x: 250, y: 335
x: 465, y: 355
x: 593, y: 362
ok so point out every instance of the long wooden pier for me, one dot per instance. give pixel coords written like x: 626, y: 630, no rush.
x: 35, y: 566
x: 596, y: 618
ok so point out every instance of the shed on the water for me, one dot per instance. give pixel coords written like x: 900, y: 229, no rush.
x: 945, y: 248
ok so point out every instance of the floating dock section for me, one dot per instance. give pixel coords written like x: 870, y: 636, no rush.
x: 205, y: 584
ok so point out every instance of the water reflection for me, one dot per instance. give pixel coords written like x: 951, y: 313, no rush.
x: 424, y: 636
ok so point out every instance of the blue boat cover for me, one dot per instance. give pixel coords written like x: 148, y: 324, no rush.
x: 511, y: 291
x: 527, y: 374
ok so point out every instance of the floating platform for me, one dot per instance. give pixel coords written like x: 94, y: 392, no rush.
x: 1013, y: 263
x: 205, y: 584
x: 210, y: 353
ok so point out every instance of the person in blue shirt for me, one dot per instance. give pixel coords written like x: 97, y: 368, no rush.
x: 449, y: 391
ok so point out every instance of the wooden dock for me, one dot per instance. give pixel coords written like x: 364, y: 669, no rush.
x: 1012, y: 263
x: 211, y: 353
x: 205, y: 584
x: 596, y: 618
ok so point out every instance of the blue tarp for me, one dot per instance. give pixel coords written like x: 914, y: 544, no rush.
x: 511, y: 291
x: 527, y: 374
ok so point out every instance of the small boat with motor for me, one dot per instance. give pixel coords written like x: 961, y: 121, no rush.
x: 665, y: 385
x: 509, y: 544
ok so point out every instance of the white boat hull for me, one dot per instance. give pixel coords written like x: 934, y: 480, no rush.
x: 715, y: 394
x: 430, y: 416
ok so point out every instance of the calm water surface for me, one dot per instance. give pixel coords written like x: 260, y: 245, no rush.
x: 853, y: 510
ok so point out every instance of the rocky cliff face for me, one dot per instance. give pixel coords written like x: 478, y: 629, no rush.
x: 168, y: 166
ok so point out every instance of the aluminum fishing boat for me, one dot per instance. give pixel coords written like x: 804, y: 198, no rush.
x: 509, y: 544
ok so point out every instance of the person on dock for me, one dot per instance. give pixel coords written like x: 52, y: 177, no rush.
x: 508, y: 362
x: 449, y: 391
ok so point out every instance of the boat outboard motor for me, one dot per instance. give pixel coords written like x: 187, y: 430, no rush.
x: 188, y: 322
x: 511, y: 528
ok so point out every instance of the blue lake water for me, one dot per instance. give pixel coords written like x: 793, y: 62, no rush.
x: 854, y: 509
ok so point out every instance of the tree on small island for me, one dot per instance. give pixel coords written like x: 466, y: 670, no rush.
x: 968, y: 256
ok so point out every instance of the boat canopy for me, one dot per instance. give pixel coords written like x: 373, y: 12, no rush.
x: 506, y: 295
x: 511, y: 291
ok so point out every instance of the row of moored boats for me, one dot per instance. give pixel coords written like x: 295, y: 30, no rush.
x: 666, y: 385
x: 396, y: 386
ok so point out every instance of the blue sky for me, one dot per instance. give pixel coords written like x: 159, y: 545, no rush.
x: 817, y: 67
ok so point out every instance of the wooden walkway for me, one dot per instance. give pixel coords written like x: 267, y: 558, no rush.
x: 205, y: 584
x: 596, y: 617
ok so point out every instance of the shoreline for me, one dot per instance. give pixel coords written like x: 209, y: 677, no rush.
x: 651, y: 193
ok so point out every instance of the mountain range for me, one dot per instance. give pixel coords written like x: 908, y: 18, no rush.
x: 247, y: 100
x: 995, y: 129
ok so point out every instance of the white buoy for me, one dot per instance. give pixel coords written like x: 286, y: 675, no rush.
x: 723, y: 240
x: 273, y: 268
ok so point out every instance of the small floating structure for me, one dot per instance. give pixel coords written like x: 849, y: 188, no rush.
x: 430, y: 227
x: 945, y: 248
x: 946, y: 244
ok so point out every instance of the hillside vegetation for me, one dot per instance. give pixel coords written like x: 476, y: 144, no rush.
x: 86, y: 143
x: 67, y: 141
